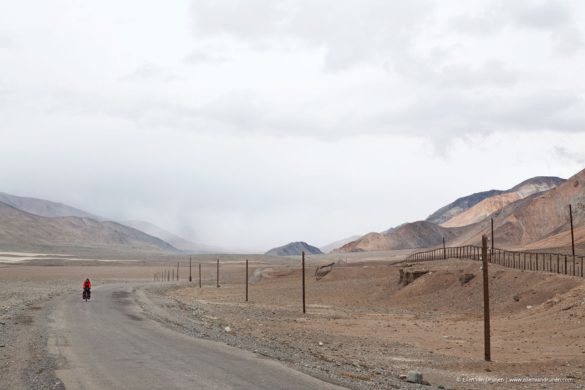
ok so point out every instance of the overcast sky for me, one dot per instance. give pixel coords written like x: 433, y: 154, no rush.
x: 249, y: 124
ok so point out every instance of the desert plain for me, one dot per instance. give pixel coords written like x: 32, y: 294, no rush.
x: 362, y: 328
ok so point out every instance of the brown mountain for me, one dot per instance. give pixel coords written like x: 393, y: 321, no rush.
x: 466, y: 223
x: 24, y: 231
x: 473, y: 208
x: 539, y: 220
x: 497, y: 202
x: 419, y: 234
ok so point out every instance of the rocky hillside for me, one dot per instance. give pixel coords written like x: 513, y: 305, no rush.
x: 463, y: 220
x: 42, y: 207
x: 460, y: 213
x: 334, y: 245
x: 421, y: 234
x: 542, y: 217
x: 24, y: 231
x: 445, y: 213
x: 294, y: 249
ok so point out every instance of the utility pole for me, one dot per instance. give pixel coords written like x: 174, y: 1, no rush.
x: 303, y: 271
x: 190, y: 278
x: 486, y: 301
x: 492, y: 235
x: 199, y: 275
x: 572, y: 234
x: 246, y: 280
x: 217, y: 276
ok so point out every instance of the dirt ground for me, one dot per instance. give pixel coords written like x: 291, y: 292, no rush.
x: 361, y: 323
x: 362, y: 328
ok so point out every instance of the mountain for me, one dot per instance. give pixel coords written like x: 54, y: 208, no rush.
x: 334, y: 245
x: 497, y: 202
x: 452, y: 209
x: 524, y: 189
x: 463, y: 220
x: 294, y: 249
x: 420, y: 234
x: 24, y: 231
x: 176, y: 241
x: 44, y: 208
x: 539, y: 220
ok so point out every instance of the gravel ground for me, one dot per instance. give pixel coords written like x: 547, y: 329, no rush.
x: 306, y: 354
x: 24, y: 360
x: 362, y: 330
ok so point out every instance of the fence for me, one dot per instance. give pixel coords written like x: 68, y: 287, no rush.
x: 526, y: 261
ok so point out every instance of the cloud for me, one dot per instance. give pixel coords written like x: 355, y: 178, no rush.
x: 5, y: 41
x: 349, y: 32
x: 149, y: 71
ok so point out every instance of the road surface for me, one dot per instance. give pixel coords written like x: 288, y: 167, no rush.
x: 108, y: 344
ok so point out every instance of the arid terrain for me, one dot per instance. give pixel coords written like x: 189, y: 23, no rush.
x: 362, y: 328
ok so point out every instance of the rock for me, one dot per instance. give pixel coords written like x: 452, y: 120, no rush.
x: 227, y: 329
x: 465, y: 278
x: 407, y: 277
x: 414, y: 377
x: 320, y: 343
x: 402, y: 376
x: 529, y: 307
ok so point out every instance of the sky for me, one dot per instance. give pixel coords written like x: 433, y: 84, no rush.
x: 248, y: 124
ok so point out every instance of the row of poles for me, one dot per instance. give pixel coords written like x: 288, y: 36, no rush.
x: 169, y: 274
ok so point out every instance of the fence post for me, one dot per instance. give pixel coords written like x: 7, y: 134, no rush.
x: 199, y: 275
x: 444, y: 250
x: 565, y: 264
x: 217, y: 274
x: 486, y: 301
x: 177, y: 271
x: 303, y: 272
x: 246, y: 280
x: 190, y: 278
x: 558, y: 263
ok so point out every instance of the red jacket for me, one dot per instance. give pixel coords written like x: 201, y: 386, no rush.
x: 87, y: 284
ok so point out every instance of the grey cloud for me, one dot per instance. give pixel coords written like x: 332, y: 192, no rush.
x: 149, y: 71
x: 5, y: 41
x: 349, y: 32
x: 201, y: 56
x: 540, y: 15
x: 568, y: 41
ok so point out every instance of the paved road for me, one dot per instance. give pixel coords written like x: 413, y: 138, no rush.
x: 108, y: 344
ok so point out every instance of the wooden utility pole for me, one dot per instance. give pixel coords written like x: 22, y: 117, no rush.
x: 246, y: 280
x: 217, y: 272
x: 190, y: 278
x: 486, y: 301
x: 199, y: 275
x: 492, y: 235
x: 303, y: 272
x: 572, y: 234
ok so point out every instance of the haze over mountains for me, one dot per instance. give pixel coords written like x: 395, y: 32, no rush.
x: 23, y: 231
x: 31, y: 224
x: 528, y: 213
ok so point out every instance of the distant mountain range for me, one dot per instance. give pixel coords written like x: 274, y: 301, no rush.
x: 176, y: 241
x: 24, y: 231
x: 36, y: 224
x: 294, y: 249
x: 528, y: 214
